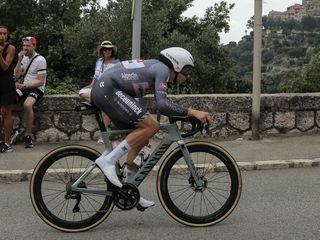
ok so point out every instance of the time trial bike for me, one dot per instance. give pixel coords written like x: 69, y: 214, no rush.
x: 198, y: 182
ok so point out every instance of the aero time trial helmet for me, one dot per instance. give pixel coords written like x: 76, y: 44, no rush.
x: 177, y: 59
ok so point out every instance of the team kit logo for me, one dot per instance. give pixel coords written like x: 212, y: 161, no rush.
x: 128, y: 102
x: 129, y: 76
x: 163, y: 86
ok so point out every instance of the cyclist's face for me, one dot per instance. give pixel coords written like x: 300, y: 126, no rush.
x: 181, y: 78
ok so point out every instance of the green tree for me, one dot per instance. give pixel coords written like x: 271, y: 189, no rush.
x: 306, y: 80
x: 69, y: 31
x: 162, y: 26
x: 308, y: 23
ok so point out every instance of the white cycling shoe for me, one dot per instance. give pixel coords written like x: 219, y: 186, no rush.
x: 109, y: 170
x: 145, y: 203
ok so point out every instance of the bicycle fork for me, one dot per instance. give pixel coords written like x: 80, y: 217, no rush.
x: 187, y: 157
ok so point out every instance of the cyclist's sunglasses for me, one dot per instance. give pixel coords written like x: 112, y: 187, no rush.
x: 186, y: 70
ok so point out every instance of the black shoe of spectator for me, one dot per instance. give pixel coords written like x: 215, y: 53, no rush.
x: 1, y: 145
x: 5, y: 148
x: 28, y: 142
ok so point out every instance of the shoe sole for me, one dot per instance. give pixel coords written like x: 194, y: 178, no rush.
x: 8, y: 151
x: 140, y: 208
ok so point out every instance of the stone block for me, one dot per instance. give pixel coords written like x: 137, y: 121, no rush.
x: 284, y: 120
x: 246, y: 166
x: 51, y: 135
x: 240, y: 121
x: 89, y: 123
x: 318, y: 118
x: 14, y: 175
x: 45, y: 120
x: 68, y: 122
x: 219, y: 120
x: 304, y: 120
x: 271, y: 164
x: 80, y: 136
x: 298, y: 163
x: 224, y: 132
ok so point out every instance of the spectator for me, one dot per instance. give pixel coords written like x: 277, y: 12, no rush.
x: 7, y: 88
x: 33, y: 67
x: 108, y: 58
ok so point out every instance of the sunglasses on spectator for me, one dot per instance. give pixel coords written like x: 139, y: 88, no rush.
x: 106, y: 49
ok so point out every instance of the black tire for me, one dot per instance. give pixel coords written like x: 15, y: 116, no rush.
x: 203, y: 206
x: 48, y: 190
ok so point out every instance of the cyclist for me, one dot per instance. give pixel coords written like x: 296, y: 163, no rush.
x: 115, y: 94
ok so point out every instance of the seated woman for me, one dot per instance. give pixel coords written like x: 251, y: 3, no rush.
x: 108, y: 58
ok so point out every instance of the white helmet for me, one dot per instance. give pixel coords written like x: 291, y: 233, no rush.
x: 177, y: 59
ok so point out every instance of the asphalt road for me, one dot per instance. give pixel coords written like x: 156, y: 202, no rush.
x: 275, y: 205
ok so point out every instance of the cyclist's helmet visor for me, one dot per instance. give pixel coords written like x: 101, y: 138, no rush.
x: 186, y: 70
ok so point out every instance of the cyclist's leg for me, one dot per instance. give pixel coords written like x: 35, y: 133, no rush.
x: 106, y: 119
x: 125, y: 112
x: 146, y: 128
x: 138, y: 138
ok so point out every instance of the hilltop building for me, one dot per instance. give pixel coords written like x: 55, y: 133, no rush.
x: 298, y: 11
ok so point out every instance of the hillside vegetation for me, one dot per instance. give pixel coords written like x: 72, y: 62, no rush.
x: 290, y: 51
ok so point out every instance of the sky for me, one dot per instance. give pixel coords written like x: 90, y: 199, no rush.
x: 239, y: 15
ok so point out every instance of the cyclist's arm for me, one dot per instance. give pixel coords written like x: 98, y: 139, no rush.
x: 165, y: 106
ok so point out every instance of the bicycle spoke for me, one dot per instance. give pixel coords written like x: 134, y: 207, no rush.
x: 55, y: 197
x: 65, y: 202
x: 65, y: 216
x: 187, y: 201
x: 208, y: 200
x: 211, y: 191
x: 186, y: 189
x: 55, y: 192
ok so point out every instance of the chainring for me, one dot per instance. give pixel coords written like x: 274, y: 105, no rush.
x: 127, y: 197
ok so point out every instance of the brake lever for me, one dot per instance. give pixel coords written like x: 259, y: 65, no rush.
x: 201, y: 128
x: 205, y: 127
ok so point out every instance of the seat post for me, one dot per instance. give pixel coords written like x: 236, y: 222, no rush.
x: 99, y: 119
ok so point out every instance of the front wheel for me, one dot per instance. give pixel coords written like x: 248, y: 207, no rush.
x: 52, y: 197
x: 205, y: 205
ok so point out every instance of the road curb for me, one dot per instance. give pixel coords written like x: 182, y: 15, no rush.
x: 8, y: 176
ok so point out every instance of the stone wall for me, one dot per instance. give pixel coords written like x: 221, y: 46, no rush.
x: 56, y: 120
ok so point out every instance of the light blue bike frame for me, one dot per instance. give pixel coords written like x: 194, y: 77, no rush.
x: 173, y: 135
